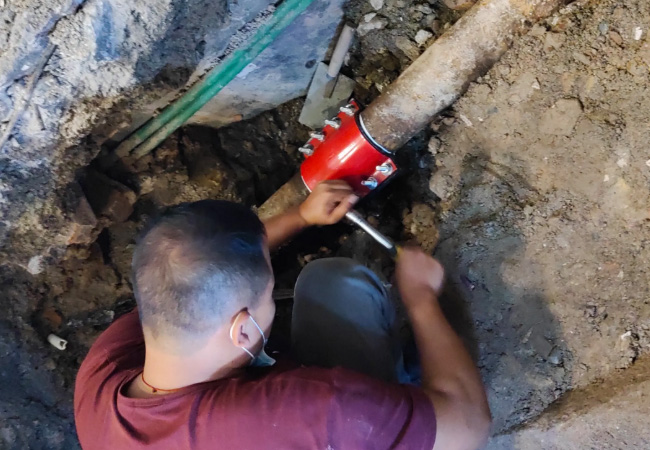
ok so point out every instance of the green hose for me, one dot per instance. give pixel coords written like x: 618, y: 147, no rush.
x: 156, y: 130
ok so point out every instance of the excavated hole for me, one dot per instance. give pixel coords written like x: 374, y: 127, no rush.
x: 245, y: 162
x: 84, y: 287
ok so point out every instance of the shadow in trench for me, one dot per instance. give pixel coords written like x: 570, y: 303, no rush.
x: 494, y: 296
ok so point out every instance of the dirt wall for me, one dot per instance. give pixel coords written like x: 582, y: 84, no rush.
x: 543, y: 172
x: 75, y: 75
x: 109, y: 57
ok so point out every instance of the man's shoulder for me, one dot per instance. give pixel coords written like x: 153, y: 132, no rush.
x: 122, y: 340
x: 115, y: 353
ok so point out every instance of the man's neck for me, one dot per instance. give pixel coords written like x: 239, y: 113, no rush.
x: 164, y: 373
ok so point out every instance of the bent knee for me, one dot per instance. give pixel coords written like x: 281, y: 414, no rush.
x: 330, y: 268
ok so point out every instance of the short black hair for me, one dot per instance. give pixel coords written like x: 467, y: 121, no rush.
x: 196, y: 261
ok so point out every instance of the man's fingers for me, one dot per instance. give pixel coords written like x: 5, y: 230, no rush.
x: 343, y: 207
x: 338, y: 196
x: 336, y: 185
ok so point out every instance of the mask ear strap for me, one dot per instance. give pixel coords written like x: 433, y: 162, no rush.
x: 249, y: 352
x: 258, y: 327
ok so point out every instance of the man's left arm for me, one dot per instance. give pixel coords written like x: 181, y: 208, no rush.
x: 327, y: 204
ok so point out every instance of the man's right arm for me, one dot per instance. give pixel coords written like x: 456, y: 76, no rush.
x: 449, y: 376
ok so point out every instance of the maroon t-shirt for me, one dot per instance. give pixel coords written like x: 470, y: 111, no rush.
x: 292, y: 408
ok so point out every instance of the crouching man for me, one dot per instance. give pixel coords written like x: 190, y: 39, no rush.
x: 187, y: 368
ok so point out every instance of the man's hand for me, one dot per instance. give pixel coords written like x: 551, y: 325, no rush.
x: 418, y: 274
x: 327, y: 203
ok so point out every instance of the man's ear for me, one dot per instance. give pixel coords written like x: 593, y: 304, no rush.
x: 238, y: 335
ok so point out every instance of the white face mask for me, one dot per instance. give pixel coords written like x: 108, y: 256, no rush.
x: 262, y: 359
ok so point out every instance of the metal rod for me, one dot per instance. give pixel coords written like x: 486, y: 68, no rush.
x: 357, y: 219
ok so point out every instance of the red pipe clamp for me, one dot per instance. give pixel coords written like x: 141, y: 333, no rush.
x: 343, y: 150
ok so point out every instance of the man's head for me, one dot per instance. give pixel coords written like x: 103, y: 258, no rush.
x: 196, y: 268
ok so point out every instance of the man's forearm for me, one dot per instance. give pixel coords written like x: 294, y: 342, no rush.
x: 283, y: 227
x: 449, y: 375
x: 326, y: 205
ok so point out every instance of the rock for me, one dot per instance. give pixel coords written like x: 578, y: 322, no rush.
x: 368, y: 17
x: 420, y: 222
x: 436, y: 26
x: 434, y: 145
x: 109, y: 198
x: 407, y: 47
x: 377, y: 4
x: 83, y: 223
x: 555, y: 357
x: 636, y: 69
x: 448, y: 121
x: 503, y: 69
x: 465, y: 120
x: 459, y: 5
x: 560, y: 24
x: 537, y: 31
x: 553, y: 41
x: 51, y: 318
x: 603, y: 28
x: 442, y: 184
x: 424, y: 9
x: 35, y: 265
x: 373, y: 24
x: 638, y: 33
x: 581, y: 57
x: 560, y: 119
x: 146, y: 184
x: 309, y: 258
x: 422, y: 36
x: 616, y: 38
x: 167, y: 154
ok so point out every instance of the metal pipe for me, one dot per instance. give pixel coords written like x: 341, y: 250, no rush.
x: 441, y: 74
x: 445, y: 70
x: 291, y: 194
